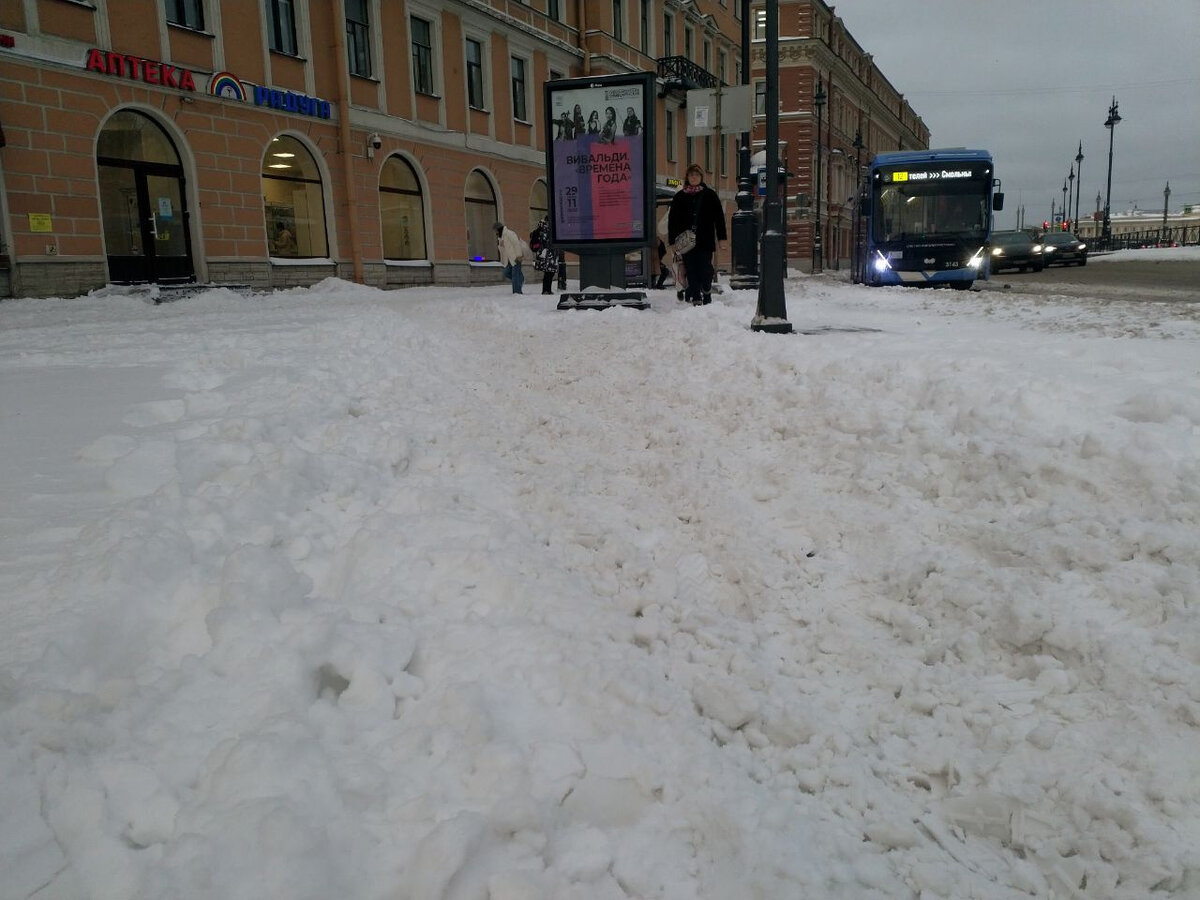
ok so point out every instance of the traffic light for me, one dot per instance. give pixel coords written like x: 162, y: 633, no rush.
x: 1045, y: 224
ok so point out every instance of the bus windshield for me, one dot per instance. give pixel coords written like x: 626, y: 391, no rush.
x: 908, y: 210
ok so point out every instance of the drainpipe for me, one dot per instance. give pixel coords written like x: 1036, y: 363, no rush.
x: 587, y: 57
x: 344, y: 145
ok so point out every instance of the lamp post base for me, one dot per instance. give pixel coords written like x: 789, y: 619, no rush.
x: 771, y: 326
x: 771, y: 315
x: 744, y: 228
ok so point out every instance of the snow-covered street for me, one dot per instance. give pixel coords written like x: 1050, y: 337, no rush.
x: 447, y: 595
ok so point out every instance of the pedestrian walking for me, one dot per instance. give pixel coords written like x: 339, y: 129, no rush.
x: 696, y: 208
x: 508, y: 243
x: 545, y: 258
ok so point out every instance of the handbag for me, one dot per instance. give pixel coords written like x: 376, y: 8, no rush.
x: 508, y: 271
x: 685, y: 241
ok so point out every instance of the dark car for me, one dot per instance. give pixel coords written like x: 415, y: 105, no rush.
x: 1015, y: 250
x: 1062, y: 248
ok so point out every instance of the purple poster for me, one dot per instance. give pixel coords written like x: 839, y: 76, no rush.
x: 598, y: 163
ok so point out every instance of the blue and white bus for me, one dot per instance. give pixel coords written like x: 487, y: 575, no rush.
x: 928, y: 218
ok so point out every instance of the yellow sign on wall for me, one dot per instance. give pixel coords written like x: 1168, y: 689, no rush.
x: 40, y: 223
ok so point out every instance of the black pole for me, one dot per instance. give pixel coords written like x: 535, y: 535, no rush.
x: 1064, y: 206
x: 1070, y: 197
x: 1111, y: 124
x: 818, y: 264
x: 771, y: 315
x: 857, y: 251
x: 745, y: 222
x: 1166, y: 200
x: 1078, y: 193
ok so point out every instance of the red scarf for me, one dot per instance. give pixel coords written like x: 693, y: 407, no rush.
x: 693, y: 188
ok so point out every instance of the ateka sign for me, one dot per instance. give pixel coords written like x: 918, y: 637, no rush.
x: 137, y: 68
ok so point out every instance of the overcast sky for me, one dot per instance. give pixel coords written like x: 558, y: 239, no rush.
x: 1030, y: 80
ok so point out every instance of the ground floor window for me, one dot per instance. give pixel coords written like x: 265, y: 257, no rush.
x: 401, y: 211
x: 293, y: 200
x: 539, y: 206
x: 482, y: 216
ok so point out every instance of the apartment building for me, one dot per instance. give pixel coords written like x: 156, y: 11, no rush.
x: 279, y: 142
x: 862, y: 114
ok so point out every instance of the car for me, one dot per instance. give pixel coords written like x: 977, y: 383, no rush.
x: 1015, y: 250
x: 1061, y: 248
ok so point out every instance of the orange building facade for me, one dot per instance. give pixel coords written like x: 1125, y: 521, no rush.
x: 277, y: 143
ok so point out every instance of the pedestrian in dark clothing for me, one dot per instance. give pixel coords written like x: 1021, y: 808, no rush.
x: 697, y: 206
x: 663, y: 271
x: 545, y: 258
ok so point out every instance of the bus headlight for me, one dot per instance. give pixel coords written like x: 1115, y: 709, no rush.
x: 881, y: 263
x: 977, y: 259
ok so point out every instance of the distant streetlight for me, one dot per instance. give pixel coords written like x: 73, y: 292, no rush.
x: 1070, y: 194
x: 1166, y: 199
x: 1064, y: 206
x: 1111, y: 124
x: 818, y: 260
x: 1079, y: 172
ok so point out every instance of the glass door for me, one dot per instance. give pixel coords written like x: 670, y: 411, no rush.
x: 168, y: 228
x: 145, y: 225
x: 124, y: 226
x: 142, y: 202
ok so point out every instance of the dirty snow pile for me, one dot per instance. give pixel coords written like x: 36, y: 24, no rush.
x: 444, y: 594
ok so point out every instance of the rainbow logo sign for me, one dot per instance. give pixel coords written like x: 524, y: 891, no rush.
x: 226, y: 84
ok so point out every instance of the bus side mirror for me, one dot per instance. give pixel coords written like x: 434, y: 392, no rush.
x: 998, y: 201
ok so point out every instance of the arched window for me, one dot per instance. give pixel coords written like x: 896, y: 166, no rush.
x: 482, y: 215
x: 401, y: 210
x: 295, y: 205
x: 539, y: 205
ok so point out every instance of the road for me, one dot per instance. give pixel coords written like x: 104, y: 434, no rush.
x: 1154, y: 279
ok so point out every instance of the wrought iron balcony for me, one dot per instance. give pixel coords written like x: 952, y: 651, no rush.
x: 681, y: 74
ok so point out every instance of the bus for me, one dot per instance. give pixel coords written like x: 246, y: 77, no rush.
x: 928, y: 218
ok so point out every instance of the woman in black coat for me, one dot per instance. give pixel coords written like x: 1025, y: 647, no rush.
x: 697, y: 206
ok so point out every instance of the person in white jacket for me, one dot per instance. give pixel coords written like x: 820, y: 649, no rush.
x: 511, y: 254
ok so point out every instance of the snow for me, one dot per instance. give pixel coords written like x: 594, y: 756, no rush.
x: 444, y: 594
x: 1149, y: 254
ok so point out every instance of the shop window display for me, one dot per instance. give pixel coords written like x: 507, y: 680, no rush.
x: 293, y: 200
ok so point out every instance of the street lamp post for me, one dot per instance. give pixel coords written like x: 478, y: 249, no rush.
x: 744, y: 221
x: 1070, y: 194
x: 1064, y: 206
x: 1079, y: 172
x: 1166, y: 199
x: 854, y: 251
x: 1111, y: 124
x: 771, y: 314
x: 818, y: 260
